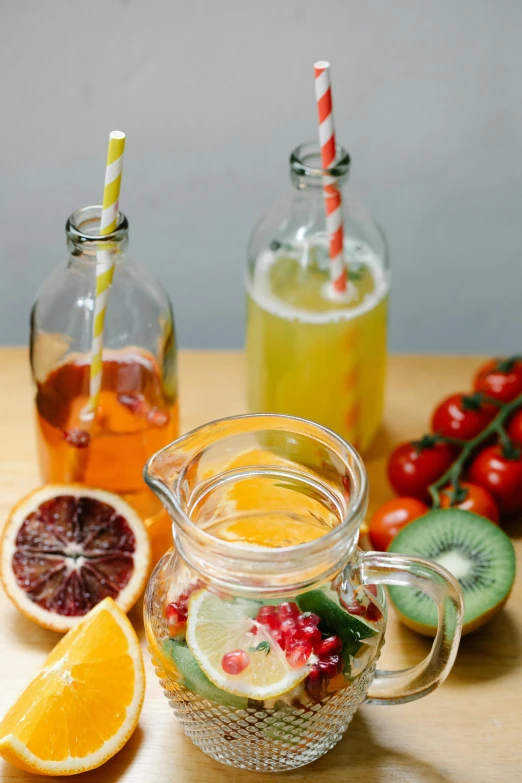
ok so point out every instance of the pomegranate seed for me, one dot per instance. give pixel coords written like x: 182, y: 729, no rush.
x: 329, y: 646
x: 288, y: 625
x: 267, y: 615
x: 157, y: 418
x: 270, y: 621
x: 265, y: 611
x: 253, y: 630
x: 289, y: 630
x: 309, y: 634
x: 355, y: 608
x: 176, y: 609
x: 235, y: 662
x: 315, y: 675
x: 172, y: 613
x: 183, y: 598
x: 298, y: 654
x: 373, y: 613
x: 279, y: 637
x: 176, y: 618
x: 372, y: 589
x: 329, y: 666
x: 308, y: 618
x: 314, y: 683
x: 136, y: 403
x: 76, y: 437
x: 287, y: 610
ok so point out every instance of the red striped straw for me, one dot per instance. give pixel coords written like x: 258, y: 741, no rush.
x: 332, y: 194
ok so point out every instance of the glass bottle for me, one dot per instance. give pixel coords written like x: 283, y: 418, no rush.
x: 265, y: 621
x: 311, y: 352
x: 137, y: 412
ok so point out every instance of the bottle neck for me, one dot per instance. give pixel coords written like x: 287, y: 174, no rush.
x: 83, y: 234
x: 307, y: 172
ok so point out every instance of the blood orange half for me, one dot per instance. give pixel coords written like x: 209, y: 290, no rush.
x: 66, y: 547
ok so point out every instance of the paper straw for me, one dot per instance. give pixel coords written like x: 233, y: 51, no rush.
x: 332, y: 194
x: 334, y: 227
x: 105, y: 264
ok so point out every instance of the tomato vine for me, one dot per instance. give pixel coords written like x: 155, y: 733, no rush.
x: 510, y: 449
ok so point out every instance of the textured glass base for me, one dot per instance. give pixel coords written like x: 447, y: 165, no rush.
x: 266, y: 740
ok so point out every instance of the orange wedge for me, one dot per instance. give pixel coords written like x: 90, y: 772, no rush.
x: 84, y: 704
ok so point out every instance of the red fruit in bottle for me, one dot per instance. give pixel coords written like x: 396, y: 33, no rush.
x: 235, y: 662
x: 298, y: 654
x: 77, y: 437
x: 287, y: 610
x: 330, y: 646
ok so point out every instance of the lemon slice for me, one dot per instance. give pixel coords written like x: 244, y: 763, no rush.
x: 216, y: 627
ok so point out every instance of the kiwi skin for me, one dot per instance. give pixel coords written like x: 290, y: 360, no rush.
x: 472, y: 625
x: 430, y: 630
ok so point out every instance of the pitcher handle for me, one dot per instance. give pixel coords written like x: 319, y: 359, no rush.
x: 403, y: 685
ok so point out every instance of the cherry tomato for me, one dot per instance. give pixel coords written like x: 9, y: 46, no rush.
x: 461, y: 416
x: 474, y: 498
x: 500, y: 378
x: 500, y: 475
x: 514, y: 428
x: 392, y: 517
x: 414, y: 465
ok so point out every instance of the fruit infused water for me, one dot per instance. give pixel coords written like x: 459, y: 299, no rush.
x: 265, y: 622
x: 313, y: 350
x: 295, y: 652
x: 314, y: 355
x: 102, y: 438
x: 135, y: 418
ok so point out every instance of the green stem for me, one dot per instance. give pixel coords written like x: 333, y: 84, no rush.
x: 453, y: 474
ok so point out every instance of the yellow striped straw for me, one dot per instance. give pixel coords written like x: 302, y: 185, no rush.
x: 105, y: 264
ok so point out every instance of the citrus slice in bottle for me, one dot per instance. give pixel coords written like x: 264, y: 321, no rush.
x: 84, y: 704
x: 65, y: 548
x: 216, y: 628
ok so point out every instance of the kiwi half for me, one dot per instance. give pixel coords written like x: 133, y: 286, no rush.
x: 478, y: 554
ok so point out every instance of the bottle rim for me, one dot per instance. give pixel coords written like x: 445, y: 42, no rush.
x: 305, y: 161
x: 82, y: 227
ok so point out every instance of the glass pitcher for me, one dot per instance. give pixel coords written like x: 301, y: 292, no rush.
x: 265, y: 621
x: 137, y: 412
x: 310, y: 351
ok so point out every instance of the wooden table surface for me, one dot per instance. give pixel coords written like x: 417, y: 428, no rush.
x: 466, y: 732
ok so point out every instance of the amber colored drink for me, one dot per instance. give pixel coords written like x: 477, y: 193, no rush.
x: 136, y: 417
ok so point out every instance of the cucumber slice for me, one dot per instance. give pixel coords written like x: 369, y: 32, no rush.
x: 195, y: 679
x: 335, y: 620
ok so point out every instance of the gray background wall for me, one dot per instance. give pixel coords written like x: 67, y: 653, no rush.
x: 214, y: 94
